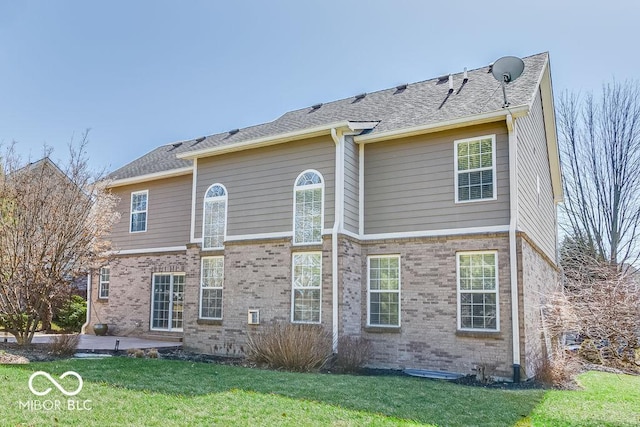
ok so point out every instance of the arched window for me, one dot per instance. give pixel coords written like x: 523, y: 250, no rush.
x: 308, y: 210
x: 214, y: 221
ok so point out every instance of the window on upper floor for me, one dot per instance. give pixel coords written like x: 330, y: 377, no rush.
x: 211, y: 281
x: 475, y: 177
x: 214, y: 221
x: 384, y: 290
x: 308, y: 208
x: 478, y: 307
x: 307, y: 287
x: 103, y: 286
x: 139, y: 202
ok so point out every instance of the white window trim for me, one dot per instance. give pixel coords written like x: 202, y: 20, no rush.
x: 146, y: 211
x: 399, y: 291
x: 497, y: 291
x: 293, y: 288
x: 211, y: 287
x: 493, y: 168
x: 206, y: 199
x: 101, y: 283
x: 170, y: 319
x: 297, y: 188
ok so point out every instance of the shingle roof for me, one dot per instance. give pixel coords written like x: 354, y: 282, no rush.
x: 421, y: 103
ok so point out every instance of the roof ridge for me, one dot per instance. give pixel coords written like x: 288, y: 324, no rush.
x: 428, y: 103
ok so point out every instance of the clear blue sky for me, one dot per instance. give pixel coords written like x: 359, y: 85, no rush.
x: 144, y: 73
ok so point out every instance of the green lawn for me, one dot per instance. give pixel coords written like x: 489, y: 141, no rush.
x: 605, y: 400
x: 166, y: 393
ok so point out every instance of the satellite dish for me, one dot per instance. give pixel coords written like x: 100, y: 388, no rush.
x: 506, y: 70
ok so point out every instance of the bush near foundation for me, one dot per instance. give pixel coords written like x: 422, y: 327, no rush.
x: 353, y: 353
x: 293, y: 347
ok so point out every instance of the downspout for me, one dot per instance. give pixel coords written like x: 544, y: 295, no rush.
x: 83, y: 330
x: 339, y: 174
x: 513, y: 254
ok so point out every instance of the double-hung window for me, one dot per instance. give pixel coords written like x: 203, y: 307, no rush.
x: 307, y: 287
x: 139, y: 201
x: 384, y: 290
x: 478, y: 307
x: 103, y: 287
x: 211, y: 281
x: 214, y: 221
x: 308, y: 208
x: 475, y: 177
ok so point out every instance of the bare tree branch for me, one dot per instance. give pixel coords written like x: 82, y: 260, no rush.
x: 600, y: 147
x: 54, y: 225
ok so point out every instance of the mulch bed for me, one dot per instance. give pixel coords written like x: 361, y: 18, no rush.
x: 13, y: 353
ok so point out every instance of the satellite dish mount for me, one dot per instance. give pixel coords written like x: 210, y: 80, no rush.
x: 506, y: 70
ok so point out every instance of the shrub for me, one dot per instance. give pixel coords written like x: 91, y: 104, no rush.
x: 299, y: 348
x: 72, y: 314
x: 353, y: 353
x: 557, y: 370
x: 64, y: 345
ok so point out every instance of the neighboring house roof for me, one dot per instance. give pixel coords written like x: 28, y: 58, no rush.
x: 417, y: 104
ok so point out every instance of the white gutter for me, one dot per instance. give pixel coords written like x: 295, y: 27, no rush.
x: 83, y: 330
x: 150, y: 177
x: 493, y: 116
x: 339, y: 174
x: 513, y: 254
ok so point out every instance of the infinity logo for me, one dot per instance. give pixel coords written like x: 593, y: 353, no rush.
x: 55, y: 383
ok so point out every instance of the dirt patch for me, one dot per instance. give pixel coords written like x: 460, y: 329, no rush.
x: 30, y: 353
x: 12, y: 359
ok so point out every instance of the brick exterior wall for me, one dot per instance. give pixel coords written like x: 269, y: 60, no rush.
x: 127, y: 311
x: 538, y: 278
x: 428, y: 336
x: 258, y: 276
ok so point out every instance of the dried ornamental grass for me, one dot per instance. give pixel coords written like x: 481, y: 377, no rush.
x: 293, y: 347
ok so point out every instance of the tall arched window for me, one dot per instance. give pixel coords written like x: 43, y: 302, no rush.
x: 308, y: 210
x: 214, y: 222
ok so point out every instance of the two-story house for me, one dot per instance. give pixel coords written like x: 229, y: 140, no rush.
x: 420, y: 217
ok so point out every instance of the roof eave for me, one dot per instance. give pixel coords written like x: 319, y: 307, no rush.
x: 277, y: 139
x: 493, y: 116
x: 151, y: 177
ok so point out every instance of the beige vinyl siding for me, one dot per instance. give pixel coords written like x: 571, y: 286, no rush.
x: 351, y: 183
x: 168, y: 214
x: 409, y: 184
x: 260, y: 184
x: 537, y: 216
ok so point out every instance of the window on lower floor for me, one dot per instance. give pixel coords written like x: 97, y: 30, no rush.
x: 211, y: 281
x: 103, y: 288
x: 478, y: 291
x: 384, y: 290
x: 167, y: 301
x: 307, y: 285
